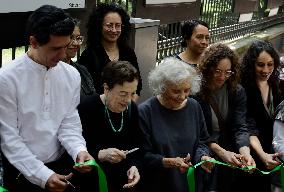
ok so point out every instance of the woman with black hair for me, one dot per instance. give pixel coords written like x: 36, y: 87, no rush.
x: 260, y: 78
x: 195, y: 35
x: 108, y: 28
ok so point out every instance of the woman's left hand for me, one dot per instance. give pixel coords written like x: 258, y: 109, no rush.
x: 270, y: 160
x: 248, y: 160
x: 207, y: 166
x: 133, y: 177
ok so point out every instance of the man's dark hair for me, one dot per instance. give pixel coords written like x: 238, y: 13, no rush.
x: 187, y: 29
x: 49, y: 20
x: 118, y: 72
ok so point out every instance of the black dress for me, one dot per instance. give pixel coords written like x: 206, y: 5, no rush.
x: 96, y: 58
x: 99, y: 134
x: 87, y: 84
x: 260, y: 124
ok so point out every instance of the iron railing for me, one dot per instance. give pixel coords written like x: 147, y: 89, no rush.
x: 223, y: 24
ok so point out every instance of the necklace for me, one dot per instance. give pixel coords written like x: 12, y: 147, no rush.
x: 109, y: 119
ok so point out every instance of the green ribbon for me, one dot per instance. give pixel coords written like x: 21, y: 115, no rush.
x: 191, y: 179
x: 3, y: 190
x: 102, y: 176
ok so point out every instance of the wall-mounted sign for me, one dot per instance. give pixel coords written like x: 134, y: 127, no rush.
x: 9, y: 6
x: 245, y: 17
x: 155, y: 2
x: 273, y: 11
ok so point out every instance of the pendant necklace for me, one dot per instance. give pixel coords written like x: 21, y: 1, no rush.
x: 109, y: 119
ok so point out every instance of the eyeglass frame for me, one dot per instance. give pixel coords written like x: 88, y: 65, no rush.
x: 78, y: 39
x: 219, y: 73
x: 111, y: 26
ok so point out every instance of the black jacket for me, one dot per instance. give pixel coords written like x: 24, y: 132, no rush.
x: 96, y: 58
x: 235, y: 134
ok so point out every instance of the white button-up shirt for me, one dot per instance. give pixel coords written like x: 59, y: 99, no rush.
x: 38, y: 116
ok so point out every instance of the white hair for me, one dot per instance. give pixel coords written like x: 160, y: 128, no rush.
x: 173, y: 71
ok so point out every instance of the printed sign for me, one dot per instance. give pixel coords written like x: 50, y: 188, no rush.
x: 8, y: 6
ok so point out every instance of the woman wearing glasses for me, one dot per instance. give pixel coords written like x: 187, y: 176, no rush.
x: 87, y: 85
x: 224, y: 106
x: 108, y: 28
x: 260, y: 78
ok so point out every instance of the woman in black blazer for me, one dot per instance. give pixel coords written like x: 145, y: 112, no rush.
x: 260, y: 78
x: 223, y: 102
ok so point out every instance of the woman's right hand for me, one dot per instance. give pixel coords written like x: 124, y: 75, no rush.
x: 177, y: 162
x: 232, y: 158
x: 111, y: 155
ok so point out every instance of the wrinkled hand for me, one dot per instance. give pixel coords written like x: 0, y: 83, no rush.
x: 186, y: 160
x: 270, y: 161
x: 133, y: 177
x: 111, y: 155
x: 232, y: 158
x: 247, y: 160
x: 82, y: 157
x: 177, y: 162
x: 57, y: 183
x: 207, y: 166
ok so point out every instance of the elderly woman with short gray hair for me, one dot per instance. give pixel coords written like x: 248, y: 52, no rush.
x: 174, y: 127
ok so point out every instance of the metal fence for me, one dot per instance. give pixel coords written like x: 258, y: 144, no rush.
x: 223, y: 23
x: 219, y: 15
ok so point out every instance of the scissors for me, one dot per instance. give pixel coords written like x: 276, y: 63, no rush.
x: 69, y: 183
x: 131, y: 151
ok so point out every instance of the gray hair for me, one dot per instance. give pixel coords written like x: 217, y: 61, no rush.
x: 172, y: 71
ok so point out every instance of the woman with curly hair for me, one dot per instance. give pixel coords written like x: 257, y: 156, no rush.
x: 260, y: 78
x: 223, y: 102
x: 108, y: 28
x: 195, y: 35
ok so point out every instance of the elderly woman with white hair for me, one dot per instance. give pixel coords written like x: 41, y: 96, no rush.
x: 174, y: 127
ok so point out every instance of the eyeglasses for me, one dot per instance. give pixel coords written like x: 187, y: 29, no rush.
x: 111, y: 26
x: 219, y: 73
x: 78, y: 39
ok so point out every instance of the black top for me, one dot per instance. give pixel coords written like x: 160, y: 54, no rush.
x: 235, y: 134
x: 87, y: 85
x: 95, y: 59
x: 260, y: 123
x: 99, y: 135
x: 191, y: 64
x: 170, y: 133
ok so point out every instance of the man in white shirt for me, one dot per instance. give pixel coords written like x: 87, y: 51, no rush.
x: 38, y: 109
